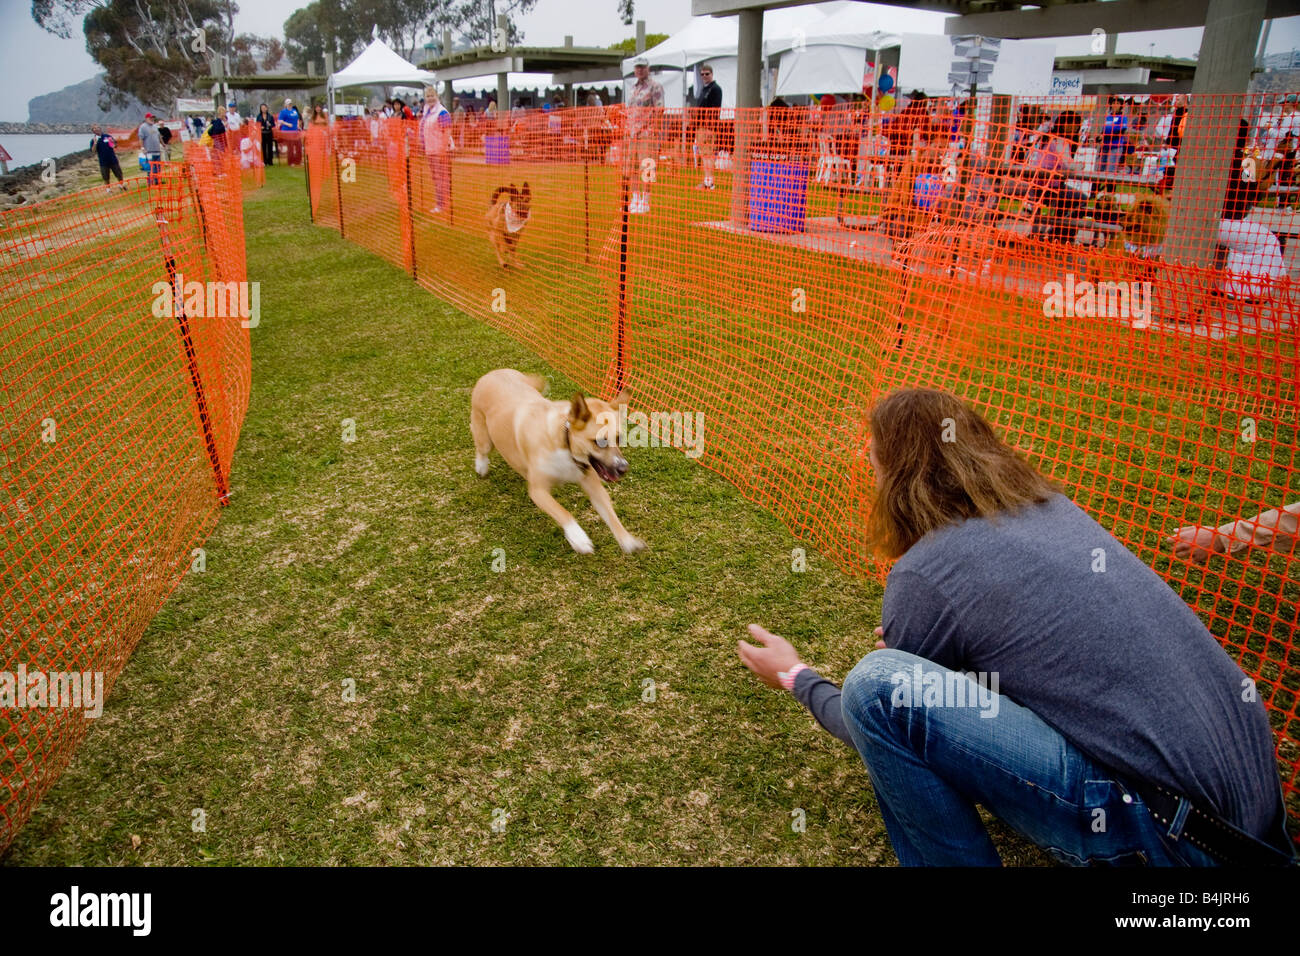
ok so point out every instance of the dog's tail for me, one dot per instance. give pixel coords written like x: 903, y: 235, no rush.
x: 536, y: 381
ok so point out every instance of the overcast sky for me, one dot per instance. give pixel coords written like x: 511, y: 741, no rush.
x: 33, y: 62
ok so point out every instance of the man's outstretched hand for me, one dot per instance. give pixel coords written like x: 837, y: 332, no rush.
x: 776, y: 655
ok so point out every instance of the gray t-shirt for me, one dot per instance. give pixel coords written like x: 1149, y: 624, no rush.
x: 149, y: 139
x: 1094, y: 642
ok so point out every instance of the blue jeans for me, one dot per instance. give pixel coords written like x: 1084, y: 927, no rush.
x: 930, y: 764
x: 1110, y: 159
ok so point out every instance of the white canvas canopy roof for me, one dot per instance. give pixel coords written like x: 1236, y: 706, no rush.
x: 379, y: 65
x: 831, y: 41
x: 715, y: 39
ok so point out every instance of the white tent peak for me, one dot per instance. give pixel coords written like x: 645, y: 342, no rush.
x: 377, y: 65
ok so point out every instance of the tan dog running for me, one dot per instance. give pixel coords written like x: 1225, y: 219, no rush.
x: 549, y: 443
x: 508, y: 213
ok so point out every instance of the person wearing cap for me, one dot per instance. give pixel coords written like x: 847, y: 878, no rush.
x: 150, y: 145
x: 435, y: 137
x: 288, y: 122
x: 233, y: 119
x: 707, y: 111
x: 644, y: 102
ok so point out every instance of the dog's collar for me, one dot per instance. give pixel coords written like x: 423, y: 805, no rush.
x: 568, y: 443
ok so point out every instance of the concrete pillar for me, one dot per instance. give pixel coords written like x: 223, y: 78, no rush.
x: 329, y: 92
x: 749, y: 63
x: 1224, y: 67
x: 568, y: 87
x: 503, y: 81
x: 448, y: 94
x: 640, y: 36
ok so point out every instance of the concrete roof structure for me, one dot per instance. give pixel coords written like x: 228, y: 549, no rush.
x: 568, y: 64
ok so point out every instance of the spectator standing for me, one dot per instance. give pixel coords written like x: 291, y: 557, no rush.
x: 105, y: 149
x: 435, y: 136
x: 706, y: 117
x: 597, y: 130
x: 459, y: 120
x: 217, y: 133
x: 266, y: 123
x: 902, y: 128
x: 165, y: 137
x: 289, y: 123
x: 234, y: 121
x: 150, y: 145
x: 1114, y: 136
x: 645, y: 102
x: 1286, y: 170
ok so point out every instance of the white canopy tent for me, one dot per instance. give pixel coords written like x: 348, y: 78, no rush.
x: 714, y: 40
x: 537, y: 82
x: 822, y: 48
x: 831, y: 55
x: 378, y: 65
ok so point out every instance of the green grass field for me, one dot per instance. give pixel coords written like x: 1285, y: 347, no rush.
x: 477, y: 692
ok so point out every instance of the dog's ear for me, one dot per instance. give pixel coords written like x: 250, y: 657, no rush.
x: 622, y: 398
x: 526, y: 190
x: 579, y: 413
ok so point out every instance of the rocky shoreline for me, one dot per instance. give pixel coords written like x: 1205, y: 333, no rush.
x: 49, y: 128
x: 72, y: 172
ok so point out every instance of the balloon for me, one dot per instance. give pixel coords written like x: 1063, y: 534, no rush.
x: 886, y: 103
x: 886, y: 83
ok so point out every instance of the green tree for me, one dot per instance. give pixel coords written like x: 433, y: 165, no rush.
x: 628, y: 46
x: 405, y: 25
x: 481, y: 20
x: 153, y: 51
x: 320, y: 27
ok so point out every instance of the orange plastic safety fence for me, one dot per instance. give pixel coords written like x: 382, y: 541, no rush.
x: 1111, y: 284
x: 124, y: 380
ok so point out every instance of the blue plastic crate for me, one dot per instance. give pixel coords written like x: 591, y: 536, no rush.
x: 497, y: 149
x: 778, y: 196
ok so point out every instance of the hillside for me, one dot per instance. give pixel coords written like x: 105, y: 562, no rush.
x: 79, y: 103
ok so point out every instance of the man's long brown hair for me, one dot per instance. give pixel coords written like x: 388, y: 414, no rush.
x: 940, y: 462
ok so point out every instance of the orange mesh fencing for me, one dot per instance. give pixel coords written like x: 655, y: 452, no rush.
x: 124, y: 380
x: 1110, y: 284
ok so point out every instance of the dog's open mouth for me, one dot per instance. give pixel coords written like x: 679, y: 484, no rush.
x: 605, y: 471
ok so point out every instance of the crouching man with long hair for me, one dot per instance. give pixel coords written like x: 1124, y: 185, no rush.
x: 1031, y: 664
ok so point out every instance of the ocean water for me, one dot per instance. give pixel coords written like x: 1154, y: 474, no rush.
x: 29, y: 148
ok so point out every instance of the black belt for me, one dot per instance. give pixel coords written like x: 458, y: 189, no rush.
x: 1212, y: 835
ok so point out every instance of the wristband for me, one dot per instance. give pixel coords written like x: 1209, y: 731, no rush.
x: 787, y: 677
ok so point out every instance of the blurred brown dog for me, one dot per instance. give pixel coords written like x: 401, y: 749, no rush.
x: 549, y: 443
x: 507, y: 215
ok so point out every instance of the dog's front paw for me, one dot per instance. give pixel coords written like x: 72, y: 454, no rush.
x: 481, y: 464
x: 632, y: 545
x: 578, y: 539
